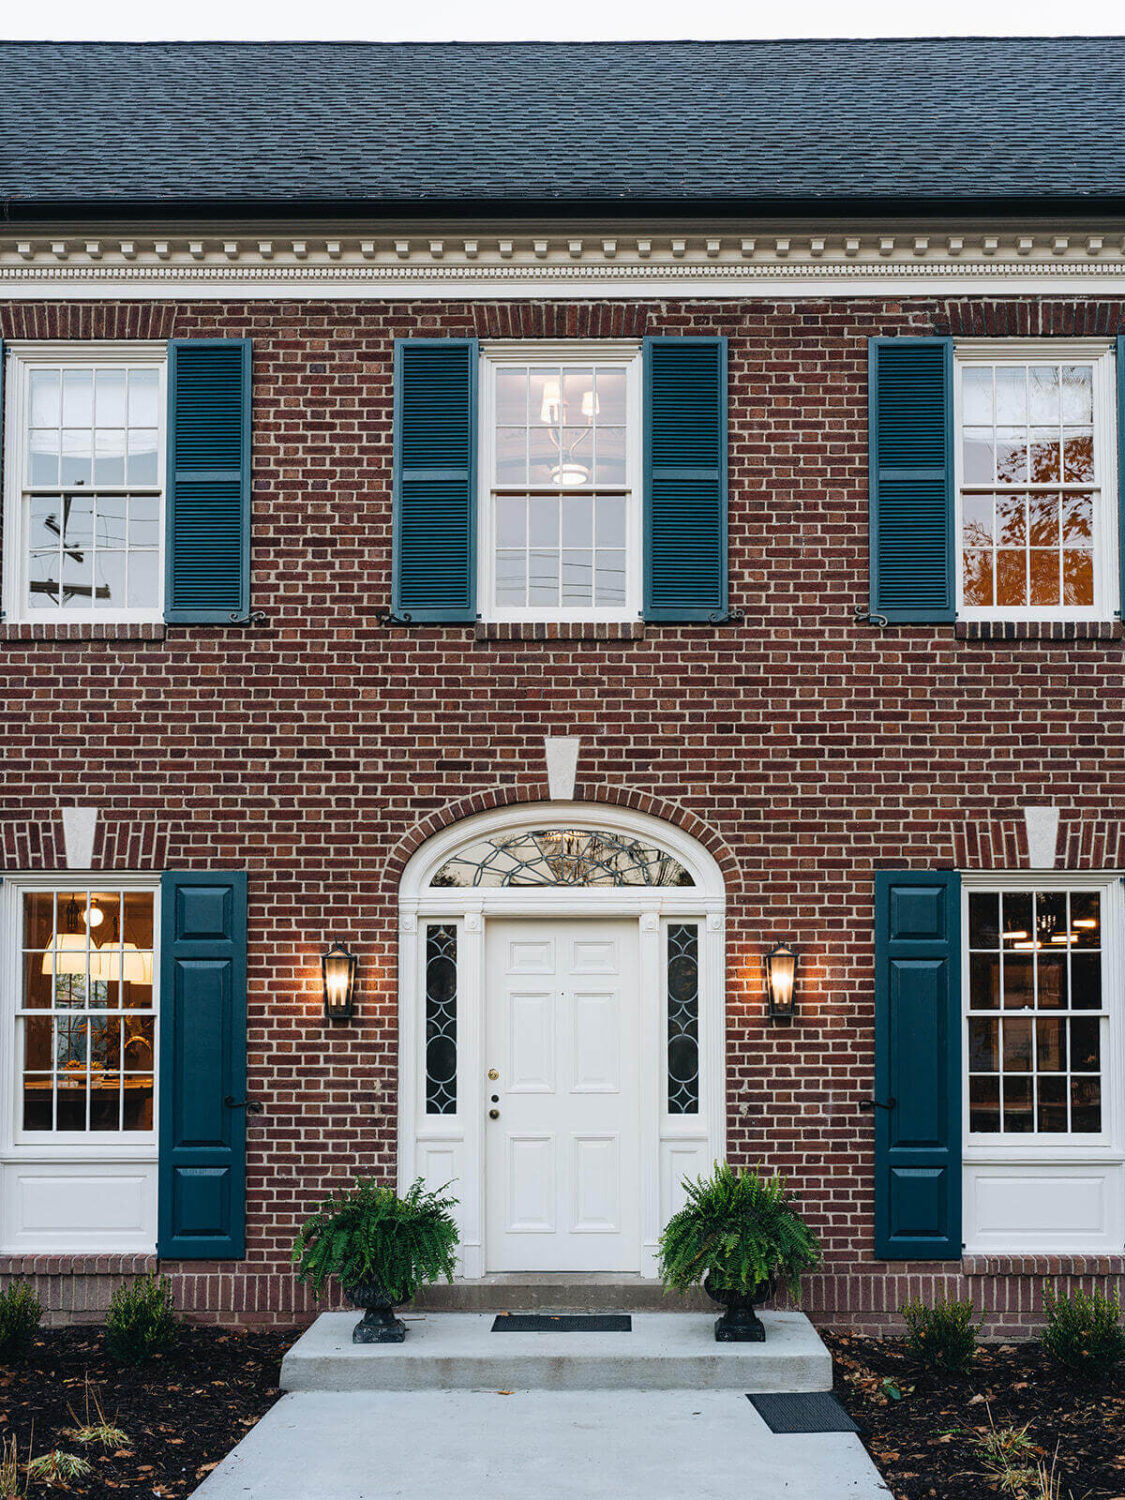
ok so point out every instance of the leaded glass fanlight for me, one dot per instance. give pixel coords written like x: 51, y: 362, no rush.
x: 562, y: 856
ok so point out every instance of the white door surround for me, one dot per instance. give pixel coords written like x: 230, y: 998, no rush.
x: 453, y: 1147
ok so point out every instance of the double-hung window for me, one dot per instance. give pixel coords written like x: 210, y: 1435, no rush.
x: 84, y: 470
x: 1035, y: 466
x: 1044, y: 1149
x: 559, y: 483
x: 78, y: 1137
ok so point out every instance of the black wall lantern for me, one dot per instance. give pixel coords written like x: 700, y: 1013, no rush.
x: 338, y: 967
x: 781, y: 975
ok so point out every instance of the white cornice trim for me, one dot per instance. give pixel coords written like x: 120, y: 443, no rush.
x: 544, y: 265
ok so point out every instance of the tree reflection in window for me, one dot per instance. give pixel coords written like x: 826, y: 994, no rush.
x: 562, y: 856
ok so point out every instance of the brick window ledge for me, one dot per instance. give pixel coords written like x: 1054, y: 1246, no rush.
x: 77, y: 1265
x: 73, y: 630
x: 1038, y: 630
x: 1043, y: 1265
x: 560, y: 630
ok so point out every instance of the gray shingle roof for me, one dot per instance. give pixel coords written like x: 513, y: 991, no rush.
x: 387, y: 127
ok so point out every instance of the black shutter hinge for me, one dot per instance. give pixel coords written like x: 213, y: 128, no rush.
x: 255, y: 617
x: 866, y: 617
x: 871, y: 1104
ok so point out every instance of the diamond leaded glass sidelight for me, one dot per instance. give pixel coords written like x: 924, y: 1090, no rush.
x: 562, y: 857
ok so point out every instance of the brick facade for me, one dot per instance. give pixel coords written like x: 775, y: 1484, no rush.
x: 803, y: 748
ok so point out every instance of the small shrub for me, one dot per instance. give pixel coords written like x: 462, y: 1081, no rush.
x: 943, y: 1336
x: 141, y: 1320
x: 1083, y: 1332
x: 20, y: 1312
x: 57, y: 1469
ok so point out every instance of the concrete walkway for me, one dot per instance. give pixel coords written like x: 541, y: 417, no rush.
x: 535, y: 1445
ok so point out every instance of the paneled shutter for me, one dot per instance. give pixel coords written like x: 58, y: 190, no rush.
x: 910, y: 438
x: 207, y: 577
x: 435, y: 480
x: 685, y: 478
x: 202, y: 1065
x: 917, y: 1065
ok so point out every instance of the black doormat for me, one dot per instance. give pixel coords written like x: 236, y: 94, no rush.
x: 562, y: 1323
x: 803, y: 1411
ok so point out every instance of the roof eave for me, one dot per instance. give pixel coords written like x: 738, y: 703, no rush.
x: 16, y: 210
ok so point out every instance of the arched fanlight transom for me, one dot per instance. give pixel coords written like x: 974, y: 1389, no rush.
x: 562, y: 856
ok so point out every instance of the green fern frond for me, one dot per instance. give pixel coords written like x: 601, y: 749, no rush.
x: 741, y: 1229
x: 369, y: 1233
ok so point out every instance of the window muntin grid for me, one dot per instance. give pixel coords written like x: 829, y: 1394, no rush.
x: 441, y: 1018
x: 86, y: 1015
x: 90, y: 460
x: 1031, y: 493
x: 564, y: 857
x: 1036, y: 1026
x: 560, y: 527
x: 683, y: 1018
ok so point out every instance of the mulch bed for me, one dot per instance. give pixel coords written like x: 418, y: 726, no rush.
x: 183, y: 1411
x: 923, y: 1441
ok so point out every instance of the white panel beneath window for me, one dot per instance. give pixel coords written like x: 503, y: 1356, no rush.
x: 679, y: 1159
x: 1059, y: 1209
x: 48, y: 1208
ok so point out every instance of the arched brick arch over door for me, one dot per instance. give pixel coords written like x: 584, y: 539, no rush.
x: 602, y: 795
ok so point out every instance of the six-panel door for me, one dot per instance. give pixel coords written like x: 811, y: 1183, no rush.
x: 562, y: 1156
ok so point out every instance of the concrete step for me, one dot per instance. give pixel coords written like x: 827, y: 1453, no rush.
x: 559, y: 1292
x: 458, y: 1351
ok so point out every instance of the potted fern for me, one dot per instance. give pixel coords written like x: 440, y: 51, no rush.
x: 737, y: 1235
x: 381, y: 1248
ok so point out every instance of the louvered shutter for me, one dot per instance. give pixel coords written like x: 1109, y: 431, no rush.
x: 1121, y: 471
x: 202, y: 1161
x: 435, y: 480
x: 685, y: 478
x: 207, y: 576
x: 910, y: 436
x: 917, y: 1065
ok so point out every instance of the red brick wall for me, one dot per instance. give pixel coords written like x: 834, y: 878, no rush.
x: 808, y: 749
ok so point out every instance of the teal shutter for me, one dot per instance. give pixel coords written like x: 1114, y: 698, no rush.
x: 202, y: 1066
x: 910, y: 439
x: 917, y: 1065
x: 434, y: 570
x: 1121, y: 474
x: 685, y: 479
x: 207, y: 572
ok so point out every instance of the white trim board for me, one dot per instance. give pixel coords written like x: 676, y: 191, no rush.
x: 442, y: 1148
x: 608, y: 260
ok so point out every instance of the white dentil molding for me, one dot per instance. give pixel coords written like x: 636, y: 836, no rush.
x: 557, y: 263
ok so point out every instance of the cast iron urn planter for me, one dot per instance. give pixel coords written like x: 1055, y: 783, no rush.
x: 378, y: 1324
x: 740, y: 1324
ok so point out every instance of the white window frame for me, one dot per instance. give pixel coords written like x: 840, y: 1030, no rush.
x: 621, y: 353
x: 76, y: 1145
x: 1099, y: 353
x: 21, y: 357
x: 1109, y: 1144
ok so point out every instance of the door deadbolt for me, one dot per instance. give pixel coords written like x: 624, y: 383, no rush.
x: 493, y: 1114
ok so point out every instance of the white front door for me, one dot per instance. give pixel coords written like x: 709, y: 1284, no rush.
x: 562, y: 1155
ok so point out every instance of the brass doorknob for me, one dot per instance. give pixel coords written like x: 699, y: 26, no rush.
x: 493, y: 1114
x: 493, y: 1074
